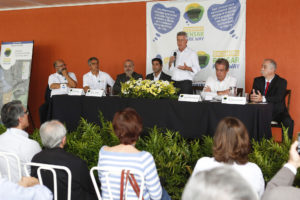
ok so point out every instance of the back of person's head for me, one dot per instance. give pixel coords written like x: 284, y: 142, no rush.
x: 127, y: 125
x: 11, y: 112
x: 231, y: 141
x: 221, y: 183
x: 52, y: 133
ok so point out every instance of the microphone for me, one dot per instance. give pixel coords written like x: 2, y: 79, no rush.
x: 175, y: 54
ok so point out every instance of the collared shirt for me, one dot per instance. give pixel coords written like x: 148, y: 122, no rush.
x: 190, y: 58
x: 57, y: 78
x: 249, y: 171
x: 16, y: 141
x: 98, y: 82
x: 216, y: 85
x: 13, y: 191
x: 264, y: 98
x: 156, y: 78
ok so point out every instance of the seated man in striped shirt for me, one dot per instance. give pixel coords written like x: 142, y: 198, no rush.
x: 127, y: 125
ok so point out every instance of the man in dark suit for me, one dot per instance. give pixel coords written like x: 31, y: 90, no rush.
x: 158, y: 74
x: 127, y: 75
x: 53, y: 136
x: 280, y: 187
x: 271, y: 88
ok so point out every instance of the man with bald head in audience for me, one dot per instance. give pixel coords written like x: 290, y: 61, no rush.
x: 53, y: 136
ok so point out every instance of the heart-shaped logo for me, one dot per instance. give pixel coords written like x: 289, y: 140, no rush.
x: 224, y: 16
x: 164, y: 19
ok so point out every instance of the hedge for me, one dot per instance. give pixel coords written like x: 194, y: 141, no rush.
x: 175, y: 156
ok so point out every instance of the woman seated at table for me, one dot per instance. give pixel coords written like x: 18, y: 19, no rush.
x: 127, y: 126
x: 231, y: 146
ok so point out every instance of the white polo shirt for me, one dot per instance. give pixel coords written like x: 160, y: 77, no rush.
x: 16, y: 141
x: 216, y: 85
x: 98, y: 82
x: 57, y: 78
x: 190, y: 58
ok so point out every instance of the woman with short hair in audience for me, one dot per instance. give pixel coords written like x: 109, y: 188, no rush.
x: 231, y: 147
x: 127, y: 126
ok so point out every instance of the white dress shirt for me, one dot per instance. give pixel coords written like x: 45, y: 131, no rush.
x: 98, y: 82
x: 249, y: 171
x: 156, y: 78
x: 13, y: 191
x: 16, y: 141
x: 57, y: 78
x: 216, y: 85
x: 190, y: 58
x: 264, y: 98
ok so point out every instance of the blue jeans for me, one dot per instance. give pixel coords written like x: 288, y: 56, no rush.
x: 165, y: 195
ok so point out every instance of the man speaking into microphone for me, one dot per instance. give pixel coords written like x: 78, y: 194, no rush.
x: 183, y: 65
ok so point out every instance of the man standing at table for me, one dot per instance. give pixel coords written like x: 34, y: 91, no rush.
x: 158, y: 74
x: 221, y: 82
x: 183, y: 64
x: 60, y: 81
x: 271, y: 88
x: 96, y: 79
x: 127, y: 75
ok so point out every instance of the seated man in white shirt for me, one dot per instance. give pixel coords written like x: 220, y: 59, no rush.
x: 27, y: 189
x: 96, y: 79
x: 221, y: 82
x: 60, y: 81
x: 15, y: 140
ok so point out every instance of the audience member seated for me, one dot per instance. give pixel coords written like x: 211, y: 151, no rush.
x: 127, y: 126
x: 280, y: 187
x: 96, y: 79
x: 27, y: 189
x: 127, y: 75
x: 221, y: 82
x: 231, y: 146
x: 221, y: 183
x: 53, y: 136
x: 15, y: 140
x: 271, y: 88
x: 60, y: 81
x: 158, y: 74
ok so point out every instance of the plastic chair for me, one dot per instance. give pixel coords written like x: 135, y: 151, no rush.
x: 115, y: 171
x: 5, y: 156
x: 51, y: 168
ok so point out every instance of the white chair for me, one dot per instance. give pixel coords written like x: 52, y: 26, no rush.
x: 107, y: 171
x: 6, y: 156
x: 52, y: 169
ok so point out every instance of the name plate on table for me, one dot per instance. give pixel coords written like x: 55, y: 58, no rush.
x: 234, y: 100
x: 95, y: 93
x: 75, y: 92
x: 189, y: 97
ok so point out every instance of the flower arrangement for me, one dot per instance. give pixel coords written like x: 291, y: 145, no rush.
x: 148, y: 89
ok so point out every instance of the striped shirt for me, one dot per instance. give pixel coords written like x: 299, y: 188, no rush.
x: 142, y: 162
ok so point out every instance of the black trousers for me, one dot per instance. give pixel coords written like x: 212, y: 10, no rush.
x: 184, y: 86
x: 287, y: 122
